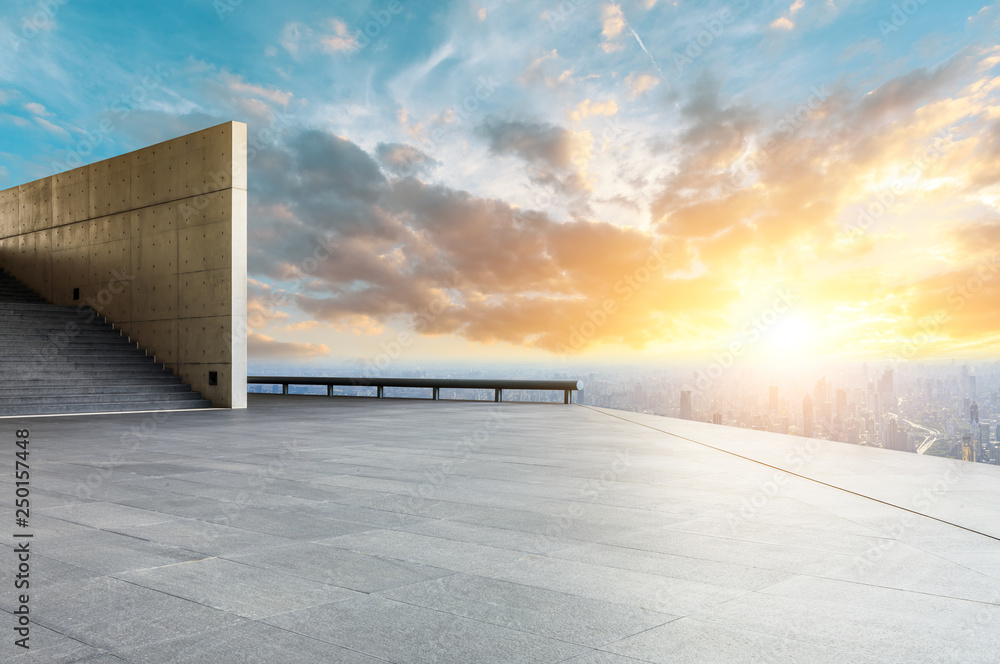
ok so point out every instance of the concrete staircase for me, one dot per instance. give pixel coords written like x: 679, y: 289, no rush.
x: 56, y: 359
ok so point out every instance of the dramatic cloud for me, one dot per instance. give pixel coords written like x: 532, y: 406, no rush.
x: 263, y: 347
x: 449, y: 262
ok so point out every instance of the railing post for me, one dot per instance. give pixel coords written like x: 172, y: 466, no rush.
x: 329, y: 390
x: 378, y: 392
x: 437, y: 393
x: 284, y: 388
x: 567, y: 399
x: 498, y: 395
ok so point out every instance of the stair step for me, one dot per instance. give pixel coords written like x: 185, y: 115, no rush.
x: 66, y: 382
x: 68, y: 359
x: 69, y: 408
x: 62, y: 390
x: 105, y: 399
x: 59, y: 363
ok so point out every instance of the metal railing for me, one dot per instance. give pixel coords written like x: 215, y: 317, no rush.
x: 435, y: 384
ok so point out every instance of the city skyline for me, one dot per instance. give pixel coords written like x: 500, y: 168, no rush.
x: 534, y: 181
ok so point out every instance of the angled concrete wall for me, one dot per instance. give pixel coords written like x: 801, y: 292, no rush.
x: 155, y: 240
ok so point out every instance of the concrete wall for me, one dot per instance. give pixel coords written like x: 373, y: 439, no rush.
x: 155, y: 240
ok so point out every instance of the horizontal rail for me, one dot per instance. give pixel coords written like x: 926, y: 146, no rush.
x: 435, y: 384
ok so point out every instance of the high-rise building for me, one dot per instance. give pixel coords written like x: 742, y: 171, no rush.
x: 716, y: 418
x: 686, y: 404
x: 974, y: 414
x: 889, y: 432
x: 772, y: 401
x: 885, y: 384
x: 807, y: 417
x: 819, y: 392
x: 968, y: 449
x: 902, y: 441
x: 841, y: 408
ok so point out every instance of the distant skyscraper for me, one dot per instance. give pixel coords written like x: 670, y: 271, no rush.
x: 889, y: 432
x: 968, y: 449
x: 772, y: 402
x: 716, y: 418
x: 685, y: 404
x: 807, y: 417
x: 972, y: 386
x: 885, y: 388
x: 902, y: 442
x: 819, y: 392
x: 974, y: 413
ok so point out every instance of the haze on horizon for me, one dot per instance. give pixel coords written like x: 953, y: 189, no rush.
x: 529, y: 181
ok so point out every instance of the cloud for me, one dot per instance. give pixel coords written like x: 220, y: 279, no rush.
x: 340, y: 39
x: 639, y: 84
x: 557, y: 155
x: 292, y: 36
x: 404, y: 160
x: 299, y: 39
x: 263, y: 347
x: 239, y: 86
x: 441, y: 260
x: 612, y: 21
x: 535, y: 142
x: 785, y: 22
x: 58, y: 131
x: 539, y: 72
x: 587, y: 108
x: 37, y: 109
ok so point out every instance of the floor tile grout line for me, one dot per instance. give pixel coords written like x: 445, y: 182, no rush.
x: 805, y: 477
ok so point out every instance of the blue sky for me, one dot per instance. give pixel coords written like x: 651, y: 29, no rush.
x: 510, y: 164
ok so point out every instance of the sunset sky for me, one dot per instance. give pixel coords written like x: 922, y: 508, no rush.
x: 533, y: 180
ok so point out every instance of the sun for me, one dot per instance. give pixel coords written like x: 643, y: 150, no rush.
x: 791, y: 336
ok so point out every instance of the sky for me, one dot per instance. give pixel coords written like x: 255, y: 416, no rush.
x: 561, y: 180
